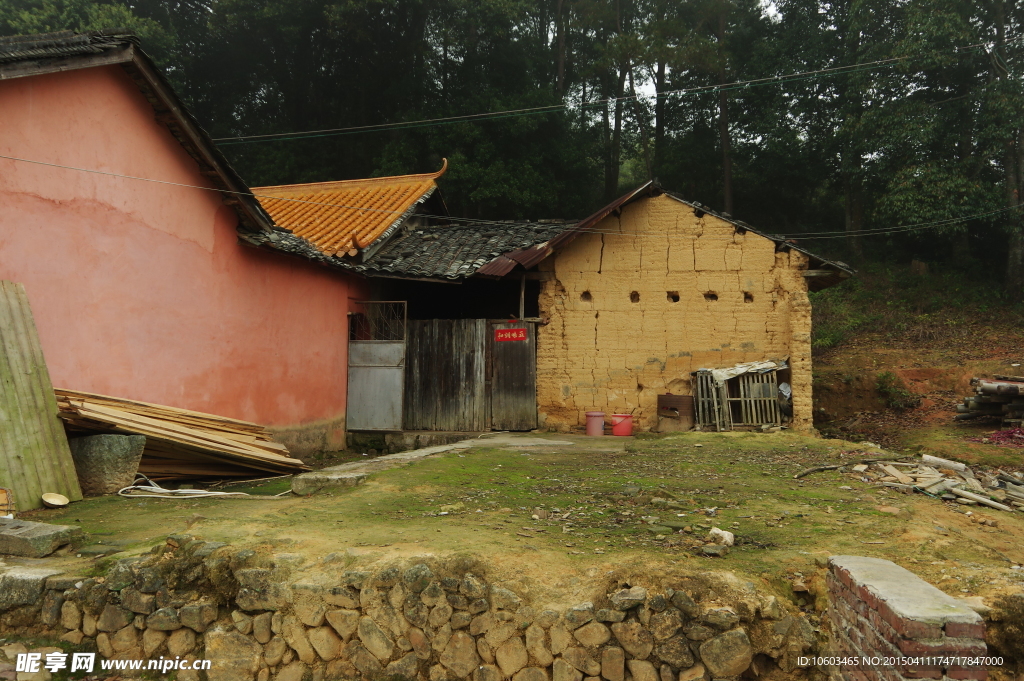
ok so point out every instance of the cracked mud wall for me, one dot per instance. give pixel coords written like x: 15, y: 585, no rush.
x: 655, y: 293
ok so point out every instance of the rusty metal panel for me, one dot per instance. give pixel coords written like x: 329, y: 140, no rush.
x: 445, y: 383
x: 376, y: 376
x: 513, y: 375
x: 34, y: 454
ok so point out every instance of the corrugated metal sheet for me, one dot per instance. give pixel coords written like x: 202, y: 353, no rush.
x: 336, y: 217
x: 34, y: 454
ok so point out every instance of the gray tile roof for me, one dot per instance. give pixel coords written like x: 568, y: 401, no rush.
x: 456, y: 251
x: 62, y: 44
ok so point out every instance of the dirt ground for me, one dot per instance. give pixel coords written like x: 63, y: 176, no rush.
x: 553, y: 514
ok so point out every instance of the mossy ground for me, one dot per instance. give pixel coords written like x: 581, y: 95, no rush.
x: 482, y: 500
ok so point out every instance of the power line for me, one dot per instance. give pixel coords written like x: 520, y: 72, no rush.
x: 838, y: 234
x: 532, y: 111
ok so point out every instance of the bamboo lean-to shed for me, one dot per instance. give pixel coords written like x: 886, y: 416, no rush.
x: 34, y: 453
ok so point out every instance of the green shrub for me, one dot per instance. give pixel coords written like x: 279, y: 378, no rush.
x: 895, y: 392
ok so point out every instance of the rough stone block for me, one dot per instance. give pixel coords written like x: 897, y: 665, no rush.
x: 34, y: 540
x: 22, y: 586
x: 106, y: 463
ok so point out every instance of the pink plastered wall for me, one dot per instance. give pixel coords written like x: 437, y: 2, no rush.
x: 142, y: 290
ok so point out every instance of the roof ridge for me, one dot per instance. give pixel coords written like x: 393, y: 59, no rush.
x: 341, y: 184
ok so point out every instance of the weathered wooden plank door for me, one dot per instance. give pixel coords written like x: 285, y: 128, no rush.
x: 445, y: 381
x: 513, y: 375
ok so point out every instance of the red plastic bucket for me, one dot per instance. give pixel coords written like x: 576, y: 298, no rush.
x: 622, y: 424
x: 595, y: 423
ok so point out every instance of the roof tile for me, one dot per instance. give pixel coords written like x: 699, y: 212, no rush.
x: 338, y: 217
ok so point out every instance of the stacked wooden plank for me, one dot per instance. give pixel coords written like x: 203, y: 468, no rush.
x: 34, y: 454
x: 180, y: 443
x: 1002, y: 398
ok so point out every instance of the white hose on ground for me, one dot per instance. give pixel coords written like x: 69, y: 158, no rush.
x: 154, y: 490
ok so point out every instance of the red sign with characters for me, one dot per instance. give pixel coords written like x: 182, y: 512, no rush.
x: 510, y: 334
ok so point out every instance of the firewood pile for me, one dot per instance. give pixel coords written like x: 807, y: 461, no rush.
x: 1001, y: 397
x: 180, y: 444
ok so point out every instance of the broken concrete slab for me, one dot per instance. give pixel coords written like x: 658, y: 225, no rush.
x: 319, y: 481
x: 34, y: 540
x: 23, y: 585
x: 906, y: 594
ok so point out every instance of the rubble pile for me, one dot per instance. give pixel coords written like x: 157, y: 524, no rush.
x: 948, y: 480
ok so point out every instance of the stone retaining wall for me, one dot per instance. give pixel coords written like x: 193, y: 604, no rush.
x: 880, y: 610
x: 260, y: 616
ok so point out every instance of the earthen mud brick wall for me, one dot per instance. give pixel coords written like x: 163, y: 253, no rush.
x: 656, y: 293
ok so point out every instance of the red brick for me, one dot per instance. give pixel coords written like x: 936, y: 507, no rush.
x: 972, y: 673
x: 960, y: 630
x: 907, y: 628
x: 843, y: 576
x: 962, y: 646
x: 922, y: 673
x: 867, y: 597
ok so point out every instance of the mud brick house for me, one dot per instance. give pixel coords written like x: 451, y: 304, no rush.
x: 651, y: 289
x: 152, y: 271
x: 608, y: 313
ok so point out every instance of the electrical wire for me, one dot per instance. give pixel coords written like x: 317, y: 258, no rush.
x: 531, y: 111
x: 837, y: 234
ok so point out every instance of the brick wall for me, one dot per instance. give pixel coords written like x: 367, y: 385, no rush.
x: 655, y: 293
x: 878, y: 609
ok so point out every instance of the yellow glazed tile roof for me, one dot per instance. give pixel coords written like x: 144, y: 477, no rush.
x: 339, y: 217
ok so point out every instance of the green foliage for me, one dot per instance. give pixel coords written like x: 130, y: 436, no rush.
x: 895, y: 391
x: 888, y: 301
x: 928, y: 131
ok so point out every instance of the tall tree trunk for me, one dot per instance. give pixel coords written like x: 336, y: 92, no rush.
x: 1012, y: 175
x: 659, y: 119
x: 611, y: 184
x: 560, y: 43
x: 641, y: 118
x: 854, y: 213
x: 723, y: 120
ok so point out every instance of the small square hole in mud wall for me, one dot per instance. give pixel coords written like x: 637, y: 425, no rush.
x: 673, y: 296
x: 710, y: 295
x: 586, y: 297
x: 634, y: 297
x: 748, y: 297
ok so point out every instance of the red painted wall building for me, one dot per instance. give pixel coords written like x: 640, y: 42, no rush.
x: 142, y: 289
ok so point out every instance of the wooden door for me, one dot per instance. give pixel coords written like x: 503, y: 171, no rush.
x: 513, y: 369
x: 445, y: 382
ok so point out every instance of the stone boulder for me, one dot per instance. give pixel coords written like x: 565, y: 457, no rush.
x: 106, y: 463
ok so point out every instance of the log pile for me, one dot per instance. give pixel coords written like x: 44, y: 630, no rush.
x: 1001, y: 397
x: 180, y: 444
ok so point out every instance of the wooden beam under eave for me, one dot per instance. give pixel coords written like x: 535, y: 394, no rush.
x: 38, y: 67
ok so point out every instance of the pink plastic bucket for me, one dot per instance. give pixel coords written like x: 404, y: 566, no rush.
x: 595, y: 423
x: 622, y: 424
